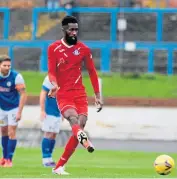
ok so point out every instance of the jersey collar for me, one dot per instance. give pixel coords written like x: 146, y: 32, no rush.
x: 2, y: 76
x: 66, y: 45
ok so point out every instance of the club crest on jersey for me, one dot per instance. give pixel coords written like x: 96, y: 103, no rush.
x: 76, y: 52
x: 9, y: 84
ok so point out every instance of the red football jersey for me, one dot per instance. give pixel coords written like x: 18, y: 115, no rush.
x: 65, y: 65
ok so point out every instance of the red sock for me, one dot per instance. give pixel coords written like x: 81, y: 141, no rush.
x: 75, y: 129
x: 69, y: 150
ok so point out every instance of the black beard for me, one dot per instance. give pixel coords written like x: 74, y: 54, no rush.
x: 71, y: 40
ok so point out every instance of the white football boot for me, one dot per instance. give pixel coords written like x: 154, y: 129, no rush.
x: 60, y: 171
x: 83, y: 139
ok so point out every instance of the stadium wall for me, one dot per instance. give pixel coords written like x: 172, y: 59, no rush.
x: 142, y: 124
x: 123, y: 101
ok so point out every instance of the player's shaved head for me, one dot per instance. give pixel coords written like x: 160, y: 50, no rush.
x: 4, y: 58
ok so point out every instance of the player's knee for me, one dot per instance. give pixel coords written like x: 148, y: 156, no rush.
x: 70, y: 112
x: 50, y: 135
x: 72, y: 116
x: 53, y: 136
x: 4, y: 131
x: 12, y: 133
x: 73, y: 120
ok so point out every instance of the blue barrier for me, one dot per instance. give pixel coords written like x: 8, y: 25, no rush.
x: 105, y: 47
x: 113, y: 12
x: 6, y: 12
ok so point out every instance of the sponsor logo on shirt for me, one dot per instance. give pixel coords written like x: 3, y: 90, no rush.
x: 3, y: 89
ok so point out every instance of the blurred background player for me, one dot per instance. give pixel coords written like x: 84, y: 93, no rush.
x: 51, y: 117
x: 12, y: 101
x: 65, y: 59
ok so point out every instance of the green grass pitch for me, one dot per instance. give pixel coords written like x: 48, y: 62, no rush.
x: 100, y: 164
x: 155, y: 86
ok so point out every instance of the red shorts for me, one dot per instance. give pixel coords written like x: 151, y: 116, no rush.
x: 76, y: 99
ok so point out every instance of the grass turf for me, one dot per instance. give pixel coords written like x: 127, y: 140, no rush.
x: 156, y: 86
x: 100, y: 164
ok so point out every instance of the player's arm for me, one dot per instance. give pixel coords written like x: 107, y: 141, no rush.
x: 52, y: 65
x: 94, y: 78
x: 46, y: 87
x: 20, y: 87
x: 42, y: 99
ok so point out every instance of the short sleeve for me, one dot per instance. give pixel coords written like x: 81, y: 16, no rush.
x: 47, y: 86
x: 19, y: 82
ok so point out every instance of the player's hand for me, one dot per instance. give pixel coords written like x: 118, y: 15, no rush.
x: 98, y: 102
x: 52, y: 93
x: 43, y: 115
x: 18, y: 116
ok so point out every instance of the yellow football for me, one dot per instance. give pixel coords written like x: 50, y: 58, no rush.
x: 164, y: 164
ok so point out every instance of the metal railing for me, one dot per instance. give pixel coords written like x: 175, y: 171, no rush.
x: 105, y: 46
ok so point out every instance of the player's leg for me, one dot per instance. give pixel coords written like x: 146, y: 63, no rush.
x: 83, y: 121
x: 73, y: 141
x: 71, y: 144
x: 66, y: 102
x: 69, y: 111
x: 82, y: 108
x: 71, y: 115
x: 52, y: 146
x: 12, y: 142
x: 4, y: 135
x: 51, y: 126
x: 4, y: 143
x: 69, y: 150
x: 47, y: 145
